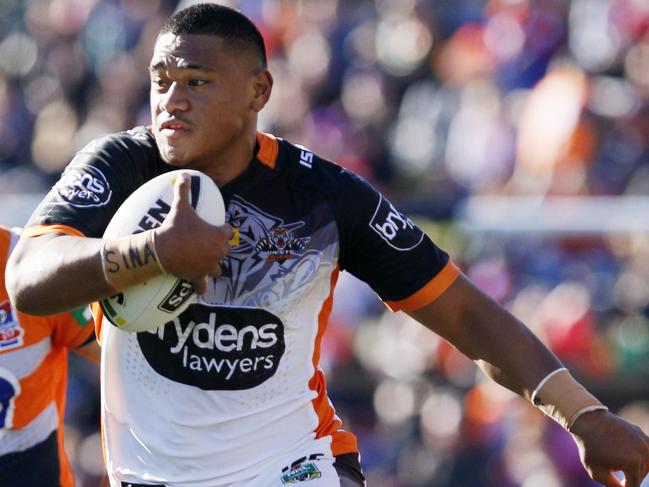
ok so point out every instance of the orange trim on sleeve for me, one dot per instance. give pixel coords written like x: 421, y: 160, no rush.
x: 268, y: 149
x: 38, y: 230
x: 430, y: 292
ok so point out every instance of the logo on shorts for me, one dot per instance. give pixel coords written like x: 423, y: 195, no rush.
x: 11, y: 333
x: 280, y: 244
x: 84, y: 186
x: 216, y: 348
x: 301, y: 472
x: 394, y: 227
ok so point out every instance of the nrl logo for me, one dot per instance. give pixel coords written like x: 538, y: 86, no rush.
x: 280, y: 244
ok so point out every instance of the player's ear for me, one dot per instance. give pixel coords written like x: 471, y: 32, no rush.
x: 262, y: 85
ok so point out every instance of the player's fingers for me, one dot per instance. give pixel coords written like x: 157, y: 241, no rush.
x: 644, y: 471
x: 229, y: 231
x: 200, y: 284
x: 608, y: 479
x: 226, y: 241
x: 182, y: 188
x: 632, y: 478
x: 216, y: 271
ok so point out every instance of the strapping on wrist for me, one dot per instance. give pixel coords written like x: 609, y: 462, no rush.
x: 130, y: 260
x: 564, y: 399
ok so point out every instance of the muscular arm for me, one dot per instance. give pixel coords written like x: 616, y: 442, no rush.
x: 511, y: 355
x: 56, y: 272
x: 487, y: 333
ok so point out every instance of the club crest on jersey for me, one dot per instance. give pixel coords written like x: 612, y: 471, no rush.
x: 84, y: 186
x: 280, y: 244
x: 301, y: 472
x: 254, y: 261
x: 11, y: 333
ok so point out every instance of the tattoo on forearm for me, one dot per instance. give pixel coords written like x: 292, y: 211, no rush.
x: 131, y: 260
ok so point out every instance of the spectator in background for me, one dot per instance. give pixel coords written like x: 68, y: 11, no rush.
x: 33, y: 377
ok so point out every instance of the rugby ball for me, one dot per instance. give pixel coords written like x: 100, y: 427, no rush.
x: 155, y: 302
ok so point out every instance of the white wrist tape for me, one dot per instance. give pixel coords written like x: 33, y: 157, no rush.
x: 130, y: 260
x: 564, y: 399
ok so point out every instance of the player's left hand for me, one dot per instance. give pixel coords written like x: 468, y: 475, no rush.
x: 608, y: 444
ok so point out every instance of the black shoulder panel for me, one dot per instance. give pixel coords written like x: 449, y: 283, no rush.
x: 378, y: 243
x: 98, y: 180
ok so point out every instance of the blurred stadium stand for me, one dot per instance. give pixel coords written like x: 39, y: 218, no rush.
x: 516, y: 132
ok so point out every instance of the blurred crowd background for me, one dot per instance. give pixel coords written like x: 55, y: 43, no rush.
x: 515, y: 132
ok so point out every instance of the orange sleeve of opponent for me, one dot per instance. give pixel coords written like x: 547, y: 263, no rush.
x: 430, y: 292
x: 73, y: 328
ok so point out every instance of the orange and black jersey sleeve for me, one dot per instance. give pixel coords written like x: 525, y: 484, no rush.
x: 377, y: 242
x: 98, y: 180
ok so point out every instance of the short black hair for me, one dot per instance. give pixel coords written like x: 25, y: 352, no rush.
x: 221, y: 21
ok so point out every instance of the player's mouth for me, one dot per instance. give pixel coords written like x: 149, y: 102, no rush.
x: 173, y: 128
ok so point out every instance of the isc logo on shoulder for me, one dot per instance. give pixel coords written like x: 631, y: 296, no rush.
x: 394, y: 227
x: 306, y: 157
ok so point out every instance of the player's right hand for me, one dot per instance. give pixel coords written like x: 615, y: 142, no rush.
x: 188, y: 246
x: 609, y: 444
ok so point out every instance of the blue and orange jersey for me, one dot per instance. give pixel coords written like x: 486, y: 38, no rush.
x: 219, y: 393
x: 33, y: 371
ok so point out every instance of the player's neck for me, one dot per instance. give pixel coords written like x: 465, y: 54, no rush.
x: 233, y: 162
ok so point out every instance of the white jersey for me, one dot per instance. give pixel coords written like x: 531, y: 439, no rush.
x: 263, y: 364
x: 223, y: 391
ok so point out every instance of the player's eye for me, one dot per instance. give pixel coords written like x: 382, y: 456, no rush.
x: 159, y: 82
x: 196, y: 82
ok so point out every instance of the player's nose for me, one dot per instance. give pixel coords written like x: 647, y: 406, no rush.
x: 174, y: 99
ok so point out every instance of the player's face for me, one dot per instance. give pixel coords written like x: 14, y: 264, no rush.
x: 204, y: 100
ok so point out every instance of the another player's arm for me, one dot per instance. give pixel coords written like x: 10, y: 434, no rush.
x: 515, y: 358
x: 54, y: 272
x: 76, y: 325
